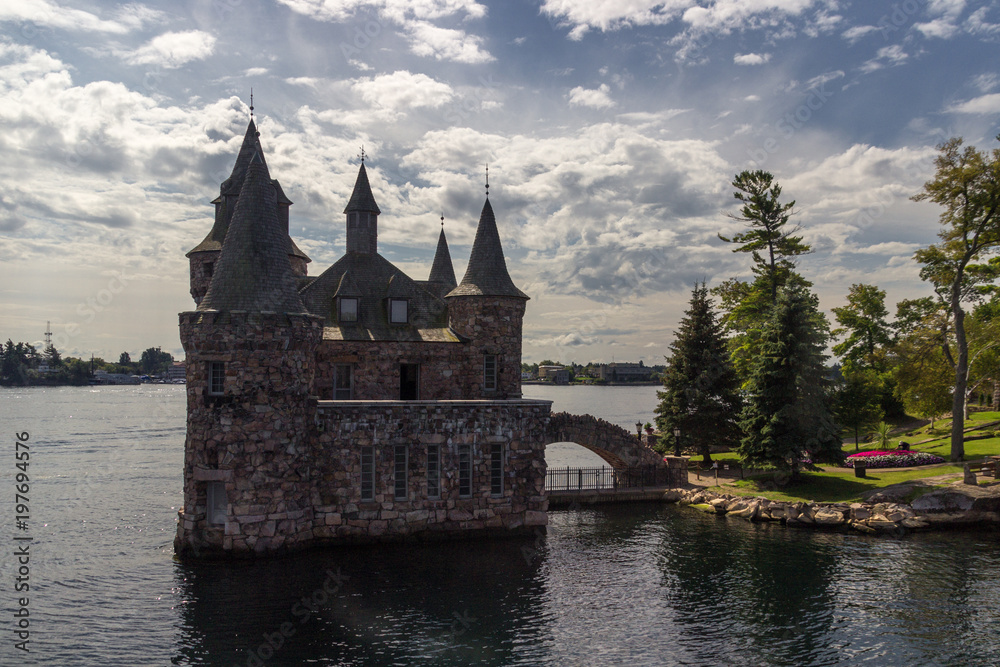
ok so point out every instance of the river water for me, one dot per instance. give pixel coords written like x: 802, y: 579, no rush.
x: 644, y: 584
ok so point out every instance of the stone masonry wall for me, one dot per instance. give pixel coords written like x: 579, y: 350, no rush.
x: 256, y: 437
x: 347, y: 426
x: 493, y: 323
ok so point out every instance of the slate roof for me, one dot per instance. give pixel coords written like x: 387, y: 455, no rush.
x: 362, y: 198
x: 231, y: 186
x: 487, y: 274
x: 442, y: 270
x: 372, y: 279
x: 253, y: 272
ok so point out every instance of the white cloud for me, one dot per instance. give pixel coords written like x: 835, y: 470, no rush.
x: 888, y: 55
x: 752, y: 98
x: 977, y: 23
x: 414, y: 16
x: 42, y: 13
x: 594, y: 98
x: 752, y: 58
x: 173, y: 49
x: 852, y: 35
x: 938, y: 28
x: 256, y: 71
x: 984, y: 104
x: 584, y: 15
x: 429, y: 40
x: 403, y: 90
x: 397, y: 10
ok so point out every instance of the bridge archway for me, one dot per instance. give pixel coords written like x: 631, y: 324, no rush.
x: 615, y: 445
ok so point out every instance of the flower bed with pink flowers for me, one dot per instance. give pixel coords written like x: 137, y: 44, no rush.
x: 896, y: 458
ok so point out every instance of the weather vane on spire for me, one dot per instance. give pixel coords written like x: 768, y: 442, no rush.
x: 442, y: 221
x: 251, y: 103
x: 363, y: 155
x: 487, y: 181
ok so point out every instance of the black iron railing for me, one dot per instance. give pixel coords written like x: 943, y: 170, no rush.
x: 594, y: 479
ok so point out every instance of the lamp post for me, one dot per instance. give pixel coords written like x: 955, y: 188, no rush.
x: 638, y: 430
x: 677, y: 441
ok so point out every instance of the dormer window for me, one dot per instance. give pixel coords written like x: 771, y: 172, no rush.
x: 348, y: 309
x: 398, y: 313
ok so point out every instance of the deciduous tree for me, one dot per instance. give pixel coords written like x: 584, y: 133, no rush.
x: 967, y: 186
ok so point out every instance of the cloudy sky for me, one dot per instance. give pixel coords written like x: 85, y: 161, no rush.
x: 612, y: 129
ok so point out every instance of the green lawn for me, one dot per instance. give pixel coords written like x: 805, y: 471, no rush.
x: 829, y: 486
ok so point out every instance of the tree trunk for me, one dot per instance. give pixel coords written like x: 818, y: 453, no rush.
x: 996, y: 395
x: 961, y: 378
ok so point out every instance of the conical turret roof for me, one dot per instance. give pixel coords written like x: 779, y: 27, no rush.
x: 362, y: 198
x: 233, y: 185
x: 487, y: 272
x: 253, y: 272
x: 442, y: 270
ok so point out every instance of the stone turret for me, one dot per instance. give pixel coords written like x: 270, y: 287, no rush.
x: 204, y: 256
x: 488, y: 309
x: 250, y: 356
x: 362, y: 216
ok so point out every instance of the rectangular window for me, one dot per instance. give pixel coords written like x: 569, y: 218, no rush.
x: 217, y: 503
x: 409, y: 382
x: 490, y: 372
x: 367, y: 473
x: 465, y: 471
x: 343, y: 382
x: 348, y: 309
x: 399, y: 473
x: 496, y: 469
x: 433, y: 471
x: 397, y: 311
x: 216, y: 378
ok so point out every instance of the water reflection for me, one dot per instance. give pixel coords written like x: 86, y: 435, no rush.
x: 441, y: 604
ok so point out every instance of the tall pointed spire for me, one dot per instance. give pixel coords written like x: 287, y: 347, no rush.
x: 487, y: 274
x: 362, y: 198
x: 362, y: 216
x: 442, y: 270
x: 253, y: 272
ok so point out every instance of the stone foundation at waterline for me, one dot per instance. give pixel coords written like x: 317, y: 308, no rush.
x: 955, y: 506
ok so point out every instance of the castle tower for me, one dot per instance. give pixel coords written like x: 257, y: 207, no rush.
x: 362, y: 216
x: 203, y: 257
x: 250, y: 355
x: 488, y: 309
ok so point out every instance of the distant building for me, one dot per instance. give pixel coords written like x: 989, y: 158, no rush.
x: 176, y: 371
x: 555, y: 374
x: 625, y: 372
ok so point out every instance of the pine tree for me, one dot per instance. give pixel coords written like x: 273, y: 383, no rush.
x: 788, y: 415
x: 700, y: 388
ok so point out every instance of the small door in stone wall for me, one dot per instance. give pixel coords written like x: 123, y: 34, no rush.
x: 409, y: 382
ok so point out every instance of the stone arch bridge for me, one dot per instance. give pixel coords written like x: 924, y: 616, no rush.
x: 611, y: 442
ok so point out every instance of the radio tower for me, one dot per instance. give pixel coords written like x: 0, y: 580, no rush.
x: 48, y: 335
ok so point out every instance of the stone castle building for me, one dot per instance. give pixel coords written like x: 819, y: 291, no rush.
x: 360, y: 404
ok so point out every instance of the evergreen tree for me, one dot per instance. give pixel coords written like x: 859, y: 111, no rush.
x: 700, y: 388
x: 788, y: 416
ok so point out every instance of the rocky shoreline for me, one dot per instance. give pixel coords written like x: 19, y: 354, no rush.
x: 933, y: 507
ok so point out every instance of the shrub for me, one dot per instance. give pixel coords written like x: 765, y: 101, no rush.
x: 892, y: 459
